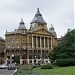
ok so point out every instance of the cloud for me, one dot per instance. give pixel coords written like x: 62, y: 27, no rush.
x: 60, y: 13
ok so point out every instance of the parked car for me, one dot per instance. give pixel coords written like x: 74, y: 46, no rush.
x: 12, y: 67
x: 3, y: 66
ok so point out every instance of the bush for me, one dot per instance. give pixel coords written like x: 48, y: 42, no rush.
x: 47, y: 66
x: 65, y: 62
x: 35, y: 66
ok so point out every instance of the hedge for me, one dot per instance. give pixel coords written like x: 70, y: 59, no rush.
x: 65, y: 62
x: 47, y: 66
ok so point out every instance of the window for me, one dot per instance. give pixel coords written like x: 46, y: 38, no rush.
x: 38, y: 40
x: 8, y: 46
x: 13, y: 47
x: 17, y: 46
x: 30, y: 61
x: 12, y: 41
x: 17, y: 41
x: 30, y: 56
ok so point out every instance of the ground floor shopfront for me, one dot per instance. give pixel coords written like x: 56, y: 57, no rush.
x: 27, y: 56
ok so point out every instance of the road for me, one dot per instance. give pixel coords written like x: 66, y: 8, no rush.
x: 6, y: 72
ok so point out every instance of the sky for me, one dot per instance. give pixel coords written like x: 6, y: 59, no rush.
x: 60, y: 13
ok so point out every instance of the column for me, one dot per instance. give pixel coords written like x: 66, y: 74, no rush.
x: 48, y: 42
x: 36, y: 41
x: 41, y: 56
x: 44, y: 42
x: 51, y: 43
x: 40, y: 42
x: 32, y: 41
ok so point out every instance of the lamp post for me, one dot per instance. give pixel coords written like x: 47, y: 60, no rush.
x: 35, y: 60
x: 12, y: 58
x: 41, y: 57
x: 6, y: 61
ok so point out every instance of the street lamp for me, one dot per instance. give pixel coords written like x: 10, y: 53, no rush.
x: 6, y: 61
x: 12, y: 58
x: 41, y: 57
x: 35, y: 60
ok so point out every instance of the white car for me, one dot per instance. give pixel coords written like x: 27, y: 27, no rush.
x: 3, y: 66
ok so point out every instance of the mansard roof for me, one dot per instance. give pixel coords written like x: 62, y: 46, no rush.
x: 38, y: 18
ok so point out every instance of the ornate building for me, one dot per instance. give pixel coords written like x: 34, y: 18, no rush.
x: 31, y: 45
x: 2, y: 47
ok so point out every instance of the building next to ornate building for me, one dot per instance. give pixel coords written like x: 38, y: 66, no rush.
x: 31, y: 45
x: 2, y: 47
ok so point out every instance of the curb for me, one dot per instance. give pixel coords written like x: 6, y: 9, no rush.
x: 14, y: 72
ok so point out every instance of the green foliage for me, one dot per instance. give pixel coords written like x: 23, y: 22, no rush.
x: 34, y: 66
x: 47, y: 66
x: 70, y: 70
x: 66, y: 49
x: 16, y: 59
x: 65, y: 62
x: 24, y: 70
x: 38, y: 71
x: 1, y: 54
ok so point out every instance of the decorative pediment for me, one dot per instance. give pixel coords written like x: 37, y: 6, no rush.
x: 42, y: 31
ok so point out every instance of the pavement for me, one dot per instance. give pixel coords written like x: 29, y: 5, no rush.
x: 14, y: 71
x: 6, y: 72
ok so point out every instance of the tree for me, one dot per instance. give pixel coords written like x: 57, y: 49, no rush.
x: 16, y: 59
x: 66, y: 49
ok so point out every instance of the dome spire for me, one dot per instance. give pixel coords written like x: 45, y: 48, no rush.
x: 51, y: 28
x: 51, y: 25
x: 37, y: 9
x: 21, y: 22
x: 38, y: 18
x: 21, y: 19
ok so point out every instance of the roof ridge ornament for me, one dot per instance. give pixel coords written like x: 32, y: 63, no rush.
x: 38, y: 13
x: 22, y: 22
x: 37, y: 9
x: 21, y: 19
x: 51, y: 25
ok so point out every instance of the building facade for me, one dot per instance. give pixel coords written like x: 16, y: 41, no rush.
x: 2, y: 48
x: 59, y: 40
x: 31, y: 45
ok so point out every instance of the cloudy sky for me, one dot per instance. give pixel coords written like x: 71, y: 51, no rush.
x: 60, y: 13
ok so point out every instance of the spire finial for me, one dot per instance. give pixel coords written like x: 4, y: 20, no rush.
x: 21, y: 19
x: 37, y: 9
x: 51, y: 25
x: 6, y: 31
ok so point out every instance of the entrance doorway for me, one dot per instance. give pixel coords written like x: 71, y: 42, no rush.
x: 24, y: 62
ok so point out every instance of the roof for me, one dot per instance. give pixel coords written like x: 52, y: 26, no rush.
x: 38, y: 18
x: 51, y: 29
x: 21, y: 24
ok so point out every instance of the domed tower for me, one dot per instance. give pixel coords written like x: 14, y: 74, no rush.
x: 38, y: 22
x: 21, y: 24
x: 52, y: 30
x: 21, y: 28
